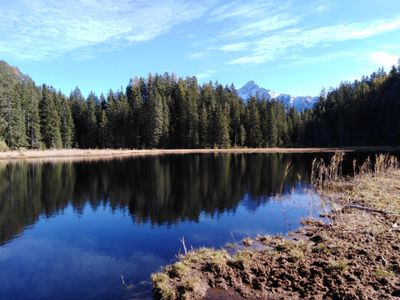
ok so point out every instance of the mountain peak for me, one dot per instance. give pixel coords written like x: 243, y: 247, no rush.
x: 250, y: 83
x: 300, y: 103
x: 251, y: 89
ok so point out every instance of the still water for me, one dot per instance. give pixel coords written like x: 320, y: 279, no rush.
x: 70, y: 230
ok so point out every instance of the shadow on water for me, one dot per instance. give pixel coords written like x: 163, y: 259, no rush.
x: 161, y: 190
x: 69, y: 230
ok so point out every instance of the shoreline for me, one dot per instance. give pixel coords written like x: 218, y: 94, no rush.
x: 89, y: 154
x: 355, y: 255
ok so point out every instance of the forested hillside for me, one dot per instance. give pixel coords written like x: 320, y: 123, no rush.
x: 163, y: 111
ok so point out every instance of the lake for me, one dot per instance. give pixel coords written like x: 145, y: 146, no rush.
x: 70, y: 230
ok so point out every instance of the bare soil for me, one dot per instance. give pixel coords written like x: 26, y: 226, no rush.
x: 356, y: 255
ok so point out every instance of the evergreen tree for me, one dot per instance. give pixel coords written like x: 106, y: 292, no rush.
x: 135, y: 100
x: 66, y: 125
x: 272, y: 126
x: 254, y: 137
x: 242, y: 135
x: 79, y: 113
x: 91, y: 121
x: 221, y: 128
x: 165, y: 111
x: 203, y: 127
x: 155, y: 120
x: 29, y: 96
x: 49, y: 119
x: 103, y: 124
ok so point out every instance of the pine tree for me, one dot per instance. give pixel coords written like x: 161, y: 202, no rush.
x: 221, y: 128
x: 29, y: 96
x: 166, y: 122
x: 66, y: 125
x: 203, y: 127
x: 91, y: 121
x: 155, y: 120
x: 135, y: 100
x: 192, y: 118
x: 15, y: 136
x: 272, y: 126
x: 242, y: 135
x: 254, y: 137
x: 78, y: 111
x: 49, y: 119
x: 103, y: 124
x: 283, y: 137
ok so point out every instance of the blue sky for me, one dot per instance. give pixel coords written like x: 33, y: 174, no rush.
x: 290, y: 46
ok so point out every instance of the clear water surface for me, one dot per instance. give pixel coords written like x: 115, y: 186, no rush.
x: 70, y: 230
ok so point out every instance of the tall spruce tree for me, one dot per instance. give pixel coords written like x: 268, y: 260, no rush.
x: 49, y: 119
x: 155, y: 120
x: 91, y: 121
x: 66, y: 124
x: 254, y: 137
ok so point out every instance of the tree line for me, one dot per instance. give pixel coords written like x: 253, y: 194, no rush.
x: 163, y: 111
x: 215, y: 185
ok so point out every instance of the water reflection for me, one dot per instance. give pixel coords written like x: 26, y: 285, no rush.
x: 69, y: 230
x: 160, y: 190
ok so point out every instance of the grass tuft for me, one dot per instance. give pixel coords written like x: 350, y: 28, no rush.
x: 162, y: 286
x: 383, y: 273
x: 340, y: 266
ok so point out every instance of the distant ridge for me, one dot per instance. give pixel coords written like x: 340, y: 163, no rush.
x: 300, y: 103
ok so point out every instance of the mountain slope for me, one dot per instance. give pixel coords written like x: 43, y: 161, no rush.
x: 10, y: 74
x: 300, y: 103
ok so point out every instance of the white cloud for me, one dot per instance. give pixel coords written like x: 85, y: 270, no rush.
x: 268, y: 24
x: 269, y: 47
x: 43, y: 29
x: 302, y: 61
x: 235, y: 47
x: 206, y: 74
x: 197, y: 55
x: 384, y: 59
x: 240, y: 9
x: 251, y: 59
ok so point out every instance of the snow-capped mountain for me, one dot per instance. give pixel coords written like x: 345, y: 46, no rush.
x: 300, y: 103
x: 251, y: 89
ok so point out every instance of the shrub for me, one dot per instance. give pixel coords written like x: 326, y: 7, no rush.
x: 3, y: 146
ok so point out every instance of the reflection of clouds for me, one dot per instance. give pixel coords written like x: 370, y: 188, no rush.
x: 199, y: 238
x: 56, y: 266
x: 301, y: 197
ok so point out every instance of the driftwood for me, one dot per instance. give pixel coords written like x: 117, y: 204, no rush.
x: 368, y: 209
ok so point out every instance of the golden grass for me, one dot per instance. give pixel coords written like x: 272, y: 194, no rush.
x: 85, y: 154
x: 373, y: 186
x: 379, y: 191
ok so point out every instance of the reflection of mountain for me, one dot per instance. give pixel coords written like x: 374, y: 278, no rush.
x: 160, y: 190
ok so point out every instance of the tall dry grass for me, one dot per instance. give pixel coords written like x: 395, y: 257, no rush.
x: 373, y: 186
x: 325, y: 174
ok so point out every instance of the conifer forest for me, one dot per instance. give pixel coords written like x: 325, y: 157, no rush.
x: 166, y: 111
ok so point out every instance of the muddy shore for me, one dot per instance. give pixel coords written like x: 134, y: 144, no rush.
x: 355, y: 255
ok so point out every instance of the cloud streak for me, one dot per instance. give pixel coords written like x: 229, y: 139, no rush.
x: 269, y: 47
x: 206, y: 74
x: 43, y: 29
x: 385, y: 59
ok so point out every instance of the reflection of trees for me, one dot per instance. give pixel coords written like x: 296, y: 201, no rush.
x: 164, y: 189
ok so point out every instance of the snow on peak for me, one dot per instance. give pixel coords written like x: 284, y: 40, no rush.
x: 300, y: 103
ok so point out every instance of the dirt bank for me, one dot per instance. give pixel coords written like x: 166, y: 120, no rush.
x: 86, y: 154
x: 356, y: 255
